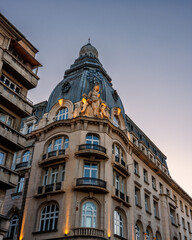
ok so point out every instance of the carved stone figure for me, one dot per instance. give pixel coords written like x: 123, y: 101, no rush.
x: 91, y: 105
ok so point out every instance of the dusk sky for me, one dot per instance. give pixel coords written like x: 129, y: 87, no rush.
x: 145, y: 47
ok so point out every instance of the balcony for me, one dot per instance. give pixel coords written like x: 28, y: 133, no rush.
x: 88, y: 232
x: 16, y: 68
x: 15, y: 101
x: 87, y: 150
x: 56, y: 156
x: 120, y: 165
x: 8, y: 178
x: 91, y: 184
x: 11, y: 138
x: 53, y: 188
x: 22, y: 165
x: 120, y: 197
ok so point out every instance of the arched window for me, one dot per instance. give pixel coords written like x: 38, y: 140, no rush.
x: 62, y: 114
x: 13, y: 226
x: 49, y: 148
x: 137, y: 232
x: 58, y: 144
x: 118, y: 224
x: 116, y: 121
x: 26, y: 156
x: 158, y: 236
x: 49, y: 218
x: 149, y: 234
x: 89, y: 215
x: 92, y: 139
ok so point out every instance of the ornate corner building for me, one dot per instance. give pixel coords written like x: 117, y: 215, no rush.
x: 18, y: 74
x: 89, y: 172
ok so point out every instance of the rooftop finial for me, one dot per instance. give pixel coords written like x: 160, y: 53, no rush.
x: 89, y: 40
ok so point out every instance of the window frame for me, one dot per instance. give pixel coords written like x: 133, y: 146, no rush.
x: 85, y: 217
x: 118, y: 223
x: 61, y: 114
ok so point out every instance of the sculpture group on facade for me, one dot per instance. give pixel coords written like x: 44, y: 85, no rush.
x: 92, y: 105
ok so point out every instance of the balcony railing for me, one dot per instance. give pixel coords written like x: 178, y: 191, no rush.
x: 49, y: 188
x: 53, y: 153
x: 91, y: 182
x: 117, y: 159
x: 22, y: 165
x: 92, y: 146
x: 83, y: 231
x: 11, y: 91
x: 121, y: 195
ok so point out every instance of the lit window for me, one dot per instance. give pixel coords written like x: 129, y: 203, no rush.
x: 148, y: 235
x: 116, y: 121
x: 49, y: 218
x: 62, y: 114
x: 26, y: 156
x: 13, y: 226
x: 89, y: 215
x: 118, y: 224
x: 20, y: 185
x: 137, y: 232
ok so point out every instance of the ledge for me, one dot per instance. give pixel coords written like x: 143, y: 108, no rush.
x: 148, y: 212
x: 158, y: 218
x: 40, y: 232
x: 138, y: 205
x: 117, y: 236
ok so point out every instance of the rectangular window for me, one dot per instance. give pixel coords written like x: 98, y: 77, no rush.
x: 180, y: 238
x: 183, y: 223
x: 172, y: 215
x: 145, y: 175
x: 45, y: 177
x: 189, y: 227
x: 153, y: 182
x: 54, y: 175
x: 181, y: 205
x: 90, y: 170
x: 29, y: 128
x: 186, y: 210
x: 117, y: 154
x: 136, y: 168
x: 62, y: 173
x: 147, y: 203
x: 137, y: 197
x: 156, y: 209
x: 2, y: 157
x: 20, y: 184
x: 178, y: 222
x: 175, y: 199
x: 160, y: 188
x: 191, y: 214
x: 168, y: 192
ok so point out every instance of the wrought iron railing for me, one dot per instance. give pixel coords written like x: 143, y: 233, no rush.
x: 91, y: 182
x: 53, y: 153
x: 49, y: 188
x: 92, y: 146
x: 121, y: 195
x: 21, y: 165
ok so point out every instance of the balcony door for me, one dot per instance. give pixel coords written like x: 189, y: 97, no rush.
x: 92, y: 141
x: 90, y: 173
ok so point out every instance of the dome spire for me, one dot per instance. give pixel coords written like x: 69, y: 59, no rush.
x: 89, y: 40
x: 88, y: 50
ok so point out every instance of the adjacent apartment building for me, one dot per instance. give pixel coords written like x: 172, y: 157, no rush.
x: 18, y: 74
x: 89, y: 172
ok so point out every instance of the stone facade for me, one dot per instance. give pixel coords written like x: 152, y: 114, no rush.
x: 17, y: 62
x: 95, y: 177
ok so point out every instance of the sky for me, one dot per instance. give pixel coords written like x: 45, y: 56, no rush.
x: 145, y: 47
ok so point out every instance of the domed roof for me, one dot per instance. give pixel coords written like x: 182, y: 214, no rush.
x: 82, y: 77
x: 88, y: 49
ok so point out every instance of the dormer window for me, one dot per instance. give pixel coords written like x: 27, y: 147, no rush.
x: 62, y: 114
x: 116, y: 121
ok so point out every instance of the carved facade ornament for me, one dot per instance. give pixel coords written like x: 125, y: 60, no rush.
x: 92, y: 105
x: 66, y: 86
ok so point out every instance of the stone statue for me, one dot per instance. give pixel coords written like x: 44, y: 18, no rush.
x: 91, y: 105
